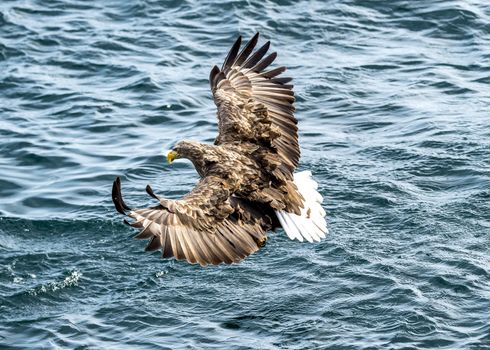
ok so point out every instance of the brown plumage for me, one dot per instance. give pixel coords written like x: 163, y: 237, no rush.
x: 246, y: 175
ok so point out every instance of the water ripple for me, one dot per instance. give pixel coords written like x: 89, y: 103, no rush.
x: 392, y: 102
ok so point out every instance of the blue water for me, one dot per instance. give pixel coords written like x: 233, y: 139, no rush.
x: 393, y: 102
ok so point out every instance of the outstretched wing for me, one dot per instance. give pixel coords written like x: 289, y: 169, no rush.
x: 254, y: 104
x: 204, y: 227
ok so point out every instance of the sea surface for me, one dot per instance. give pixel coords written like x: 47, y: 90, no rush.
x: 393, y: 103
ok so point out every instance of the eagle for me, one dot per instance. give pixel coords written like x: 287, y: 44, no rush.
x: 248, y: 184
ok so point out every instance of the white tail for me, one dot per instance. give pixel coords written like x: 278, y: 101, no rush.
x: 311, y: 224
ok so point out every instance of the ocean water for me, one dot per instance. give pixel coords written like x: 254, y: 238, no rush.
x: 393, y: 103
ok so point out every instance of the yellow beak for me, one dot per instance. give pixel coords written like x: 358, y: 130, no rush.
x: 171, y: 156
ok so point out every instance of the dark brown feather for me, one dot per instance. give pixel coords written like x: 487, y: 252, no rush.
x: 274, y: 72
x: 153, y: 245
x: 257, y: 56
x: 212, y: 76
x: 232, y: 54
x: 117, y: 197
x: 266, y: 62
x: 246, y: 50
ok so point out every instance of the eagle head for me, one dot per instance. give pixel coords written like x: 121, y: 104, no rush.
x: 185, y: 149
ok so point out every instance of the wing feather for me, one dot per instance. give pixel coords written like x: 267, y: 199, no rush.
x: 257, y: 56
x: 166, y: 243
x: 154, y: 244
x: 248, y: 96
x: 230, y: 59
x: 266, y: 62
x: 197, y: 229
x: 273, y: 72
x: 246, y: 50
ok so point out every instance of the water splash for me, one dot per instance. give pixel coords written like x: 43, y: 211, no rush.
x: 69, y: 281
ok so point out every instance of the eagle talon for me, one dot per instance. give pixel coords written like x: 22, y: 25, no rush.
x: 261, y: 242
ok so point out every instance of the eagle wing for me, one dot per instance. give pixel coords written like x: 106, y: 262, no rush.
x: 206, y: 226
x: 255, y: 105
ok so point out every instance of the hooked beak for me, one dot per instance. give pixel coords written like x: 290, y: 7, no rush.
x: 171, y: 156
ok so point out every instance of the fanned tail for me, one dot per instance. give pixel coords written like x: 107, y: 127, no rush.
x: 311, y: 224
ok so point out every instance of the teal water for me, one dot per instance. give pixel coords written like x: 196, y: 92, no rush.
x: 393, y: 105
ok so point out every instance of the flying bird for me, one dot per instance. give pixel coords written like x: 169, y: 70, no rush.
x: 248, y: 184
